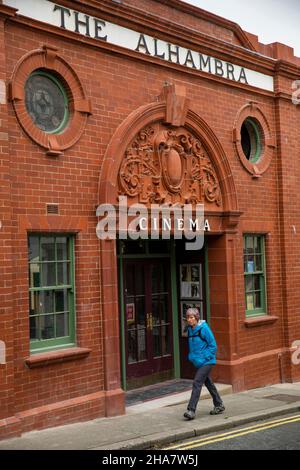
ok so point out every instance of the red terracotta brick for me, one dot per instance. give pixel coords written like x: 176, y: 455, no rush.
x: 118, y: 85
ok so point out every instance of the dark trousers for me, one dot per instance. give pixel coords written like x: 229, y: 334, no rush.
x: 202, y: 377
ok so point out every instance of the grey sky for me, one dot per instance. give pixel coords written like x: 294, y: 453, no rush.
x: 271, y: 20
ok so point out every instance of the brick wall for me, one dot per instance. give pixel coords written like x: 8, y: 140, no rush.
x: 6, y: 257
x: 117, y: 85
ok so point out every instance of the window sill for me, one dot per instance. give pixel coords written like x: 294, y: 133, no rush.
x: 54, y: 357
x: 260, y: 321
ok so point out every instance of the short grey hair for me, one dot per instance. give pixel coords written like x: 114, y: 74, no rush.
x: 193, y: 311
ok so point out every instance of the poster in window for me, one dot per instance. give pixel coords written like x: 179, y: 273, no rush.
x: 190, y: 281
x: 130, y: 313
x: 186, y: 304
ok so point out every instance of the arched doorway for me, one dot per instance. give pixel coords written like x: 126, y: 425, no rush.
x: 163, y: 153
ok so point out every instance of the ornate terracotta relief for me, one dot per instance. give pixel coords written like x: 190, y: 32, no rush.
x: 167, y: 165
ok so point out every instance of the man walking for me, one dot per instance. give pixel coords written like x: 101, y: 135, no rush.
x: 202, y: 354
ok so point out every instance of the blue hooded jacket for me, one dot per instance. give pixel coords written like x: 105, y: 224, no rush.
x: 202, y: 345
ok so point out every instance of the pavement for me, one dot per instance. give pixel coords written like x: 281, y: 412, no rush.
x: 156, y: 422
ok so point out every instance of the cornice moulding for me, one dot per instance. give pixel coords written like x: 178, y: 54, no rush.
x: 178, y: 5
x: 287, y: 69
x: 149, y: 23
x: 6, y: 11
x: 211, y: 17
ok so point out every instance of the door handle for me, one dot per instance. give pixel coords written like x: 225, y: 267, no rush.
x: 149, y: 321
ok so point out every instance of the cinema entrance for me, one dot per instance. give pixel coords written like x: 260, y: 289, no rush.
x: 163, y: 158
x: 158, y: 281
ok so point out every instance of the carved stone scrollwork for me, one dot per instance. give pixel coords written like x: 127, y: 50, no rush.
x: 164, y: 165
x: 138, y: 165
x: 211, y: 187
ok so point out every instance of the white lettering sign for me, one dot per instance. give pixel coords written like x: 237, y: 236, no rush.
x: 134, y: 222
x: 98, y: 29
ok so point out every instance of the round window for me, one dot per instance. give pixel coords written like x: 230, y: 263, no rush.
x: 251, y: 139
x: 46, y: 102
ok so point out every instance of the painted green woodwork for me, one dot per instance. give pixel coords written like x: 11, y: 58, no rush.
x: 176, y: 349
x: 52, y: 343
x: 254, y: 275
x: 122, y: 329
x: 207, y: 294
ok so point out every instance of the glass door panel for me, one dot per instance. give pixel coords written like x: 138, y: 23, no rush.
x: 147, y: 304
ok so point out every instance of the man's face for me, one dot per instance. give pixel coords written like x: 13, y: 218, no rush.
x: 191, y: 320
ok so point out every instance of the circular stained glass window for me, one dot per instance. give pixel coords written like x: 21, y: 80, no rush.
x: 46, y: 102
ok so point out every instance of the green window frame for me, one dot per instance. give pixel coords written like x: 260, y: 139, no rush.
x: 254, y: 275
x: 51, y: 291
x: 252, y: 128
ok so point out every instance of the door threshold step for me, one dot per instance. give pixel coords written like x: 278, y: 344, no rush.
x: 174, y: 399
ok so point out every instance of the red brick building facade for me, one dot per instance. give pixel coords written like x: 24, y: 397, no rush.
x: 160, y: 102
